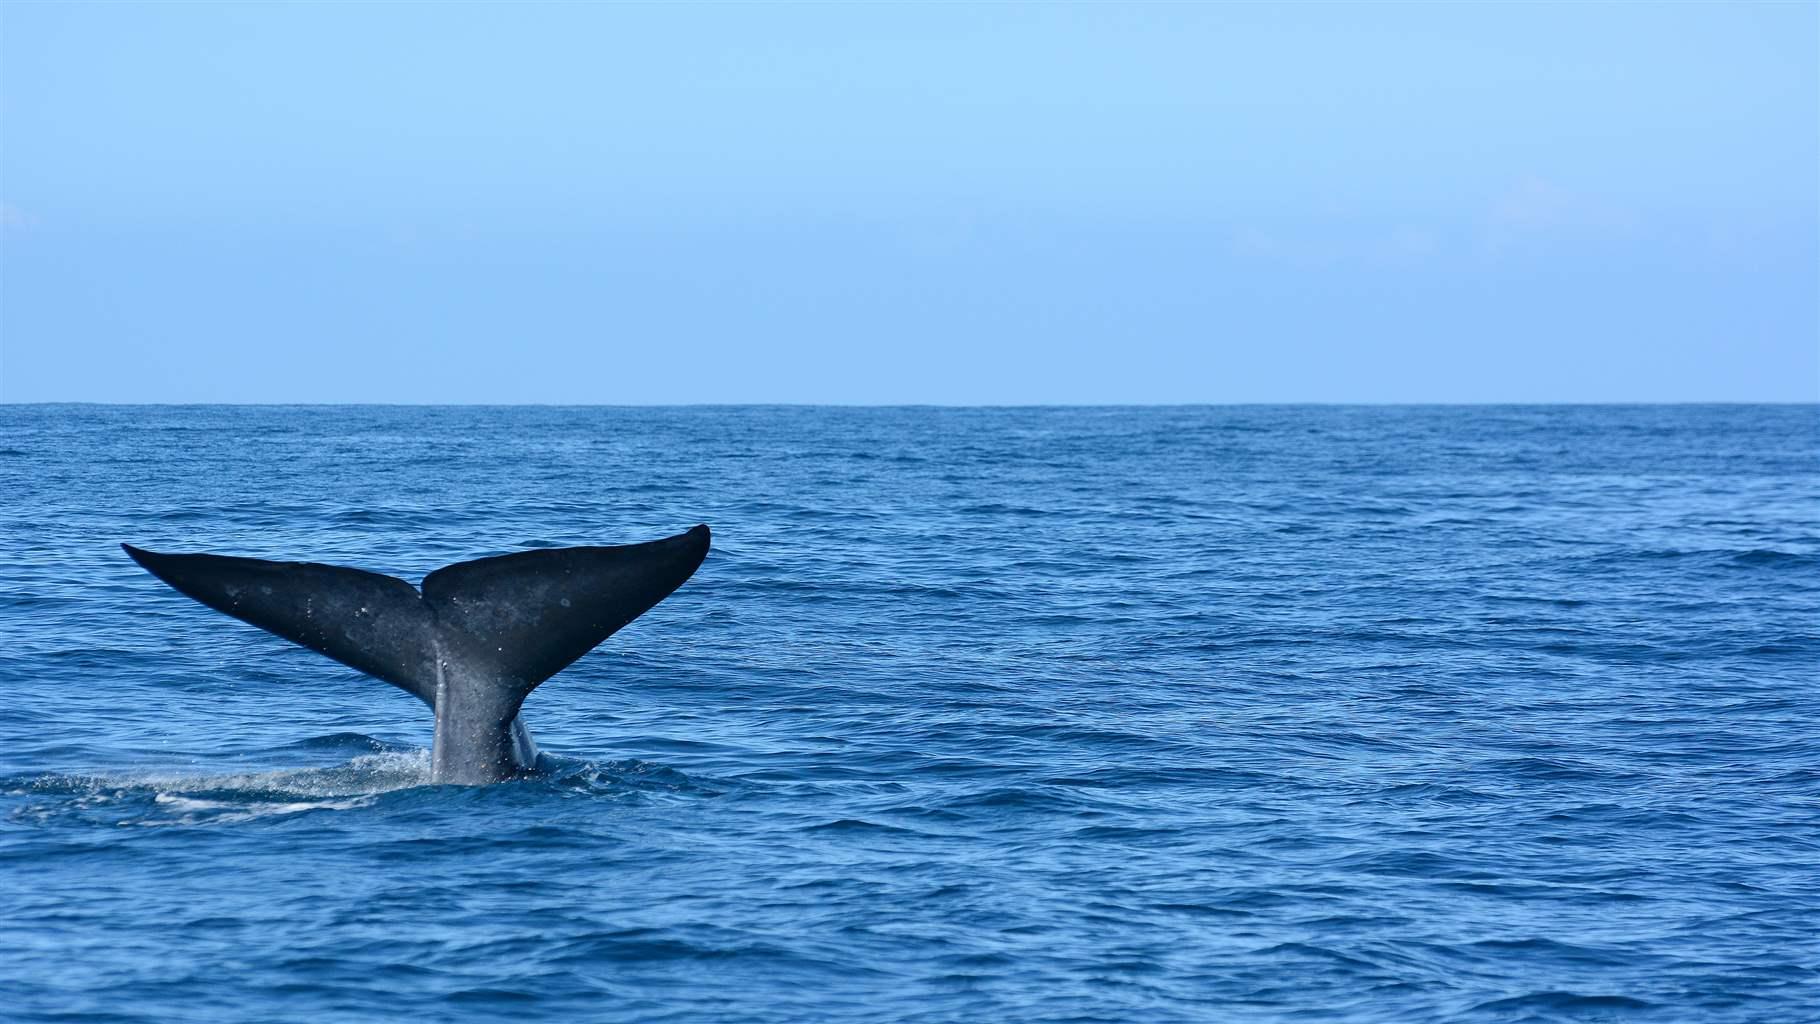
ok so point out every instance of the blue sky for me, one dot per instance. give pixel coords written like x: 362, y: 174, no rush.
x: 876, y: 203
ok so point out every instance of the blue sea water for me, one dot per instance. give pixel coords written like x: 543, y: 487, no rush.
x: 1130, y: 715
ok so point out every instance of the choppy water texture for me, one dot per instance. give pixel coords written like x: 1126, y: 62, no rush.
x: 1148, y: 715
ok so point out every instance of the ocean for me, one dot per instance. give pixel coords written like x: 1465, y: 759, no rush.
x: 1009, y: 715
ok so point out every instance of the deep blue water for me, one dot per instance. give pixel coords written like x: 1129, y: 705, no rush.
x: 1146, y: 715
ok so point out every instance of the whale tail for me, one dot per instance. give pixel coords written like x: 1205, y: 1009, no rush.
x: 476, y: 640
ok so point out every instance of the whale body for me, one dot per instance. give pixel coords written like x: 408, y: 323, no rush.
x: 477, y: 639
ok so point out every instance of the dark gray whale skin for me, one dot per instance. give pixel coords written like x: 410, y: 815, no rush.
x: 472, y: 645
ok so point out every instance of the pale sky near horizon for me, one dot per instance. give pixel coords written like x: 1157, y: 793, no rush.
x: 875, y: 203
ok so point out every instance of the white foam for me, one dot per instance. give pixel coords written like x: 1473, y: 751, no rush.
x: 366, y: 775
x: 193, y: 798
x: 194, y: 811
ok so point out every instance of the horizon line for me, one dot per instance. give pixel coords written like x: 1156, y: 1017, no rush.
x: 920, y: 405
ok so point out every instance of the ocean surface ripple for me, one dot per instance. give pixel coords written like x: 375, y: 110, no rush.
x: 1129, y: 715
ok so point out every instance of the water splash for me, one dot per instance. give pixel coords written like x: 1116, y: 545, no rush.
x: 158, y: 797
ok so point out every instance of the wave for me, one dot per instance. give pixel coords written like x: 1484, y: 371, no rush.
x: 163, y: 797
x: 1711, y: 558
x: 152, y: 798
x: 1553, y: 1005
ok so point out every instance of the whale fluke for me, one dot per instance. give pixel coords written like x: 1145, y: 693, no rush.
x: 478, y: 639
x: 377, y: 624
x: 529, y: 615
